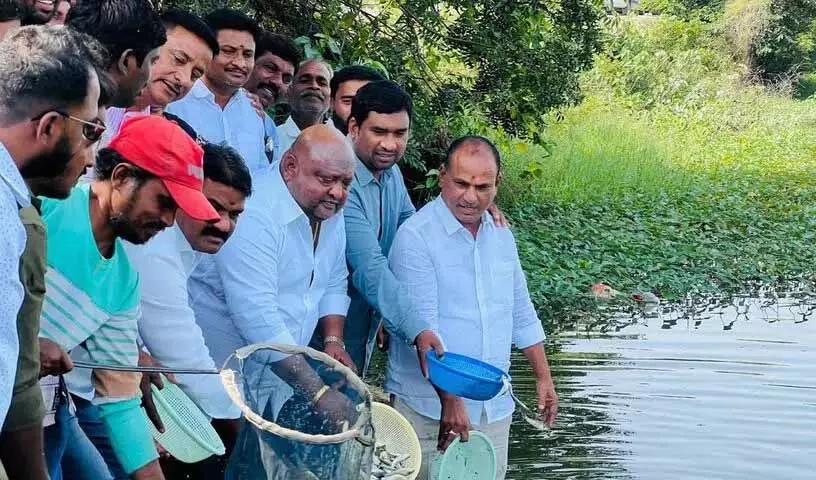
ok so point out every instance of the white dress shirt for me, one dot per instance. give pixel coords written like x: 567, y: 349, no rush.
x: 474, y: 294
x: 287, y: 134
x: 13, y: 195
x: 257, y: 288
x: 238, y: 124
x: 168, y: 326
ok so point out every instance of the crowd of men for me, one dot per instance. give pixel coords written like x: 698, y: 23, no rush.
x: 153, y: 213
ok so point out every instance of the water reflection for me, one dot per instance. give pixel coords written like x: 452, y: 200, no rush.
x: 713, y: 388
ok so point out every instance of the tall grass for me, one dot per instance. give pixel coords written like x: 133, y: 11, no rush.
x: 683, y: 180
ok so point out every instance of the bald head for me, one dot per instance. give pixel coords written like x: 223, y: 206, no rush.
x: 318, y: 170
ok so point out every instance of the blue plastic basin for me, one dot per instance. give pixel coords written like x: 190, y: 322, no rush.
x: 464, y: 376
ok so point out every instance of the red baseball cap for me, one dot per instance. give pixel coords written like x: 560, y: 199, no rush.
x: 162, y: 148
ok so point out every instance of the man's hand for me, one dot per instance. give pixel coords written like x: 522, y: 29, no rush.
x: 337, y: 352
x: 383, y: 338
x: 256, y: 103
x: 498, y: 216
x: 145, y: 360
x: 337, y: 408
x: 53, y: 359
x: 454, y: 421
x: 427, y: 340
x: 547, y: 401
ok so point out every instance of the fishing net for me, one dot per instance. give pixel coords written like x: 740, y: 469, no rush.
x: 306, y: 416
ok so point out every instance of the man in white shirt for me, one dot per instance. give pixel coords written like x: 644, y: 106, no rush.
x: 309, y: 97
x: 217, y: 107
x: 276, y: 57
x: 464, y: 277
x: 167, y: 326
x: 182, y: 60
x: 283, y: 272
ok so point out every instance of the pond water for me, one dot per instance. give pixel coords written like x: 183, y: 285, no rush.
x: 699, y: 392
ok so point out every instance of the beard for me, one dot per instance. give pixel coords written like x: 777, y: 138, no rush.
x: 31, y: 16
x: 340, y: 123
x: 49, y: 164
x: 127, y: 229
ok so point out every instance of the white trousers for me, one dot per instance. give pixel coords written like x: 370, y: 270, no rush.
x: 427, y: 429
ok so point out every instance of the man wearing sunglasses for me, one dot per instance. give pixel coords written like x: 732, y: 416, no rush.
x: 47, y: 129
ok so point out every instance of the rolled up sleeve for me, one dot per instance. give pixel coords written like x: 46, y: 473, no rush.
x: 247, y: 264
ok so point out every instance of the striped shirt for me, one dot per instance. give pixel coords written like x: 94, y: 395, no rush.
x: 90, y: 300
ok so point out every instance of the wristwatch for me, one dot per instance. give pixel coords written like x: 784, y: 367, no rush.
x: 334, y: 339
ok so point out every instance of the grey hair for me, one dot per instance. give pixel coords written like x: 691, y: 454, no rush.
x: 44, y: 68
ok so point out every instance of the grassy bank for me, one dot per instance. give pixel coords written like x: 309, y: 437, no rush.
x: 674, y: 176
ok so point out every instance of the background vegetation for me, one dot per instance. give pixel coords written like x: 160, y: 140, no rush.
x: 670, y: 150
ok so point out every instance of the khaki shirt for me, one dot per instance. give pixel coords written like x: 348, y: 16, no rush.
x: 27, y: 407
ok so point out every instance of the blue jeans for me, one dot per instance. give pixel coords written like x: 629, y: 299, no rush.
x: 90, y: 421
x: 69, y: 453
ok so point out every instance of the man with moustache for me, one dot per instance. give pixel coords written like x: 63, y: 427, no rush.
x: 217, y: 107
x: 283, y: 273
x: 276, y: 57
x: 344, y: 85
x: 167, y: 326
x: 182, y: 61
x: 36, y: 12
x: 463, y: 275
x: 51, y: 152
x: 151, y: 169
x: 131, y: 32
x: 309, y: 100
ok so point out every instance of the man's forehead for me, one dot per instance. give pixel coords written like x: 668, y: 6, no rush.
x: 270, y: 57
x: 235, y: 38
x: 315, y: 69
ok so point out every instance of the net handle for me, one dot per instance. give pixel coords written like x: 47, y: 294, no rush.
x: 228, y: 381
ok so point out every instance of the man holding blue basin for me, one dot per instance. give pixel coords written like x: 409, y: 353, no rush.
x: 463, y: 275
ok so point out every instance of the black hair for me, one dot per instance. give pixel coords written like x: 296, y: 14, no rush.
x: 383, y: 96
x: 223, y: 164
x: 229, y: 19
x: 107, y: 159
x: 119, y: 25
x: 10, y: 10
x: 191, y: 22
x: 354, y: 72
x: 108, y: 89
x: 278, y: 45
x: 472, y: 139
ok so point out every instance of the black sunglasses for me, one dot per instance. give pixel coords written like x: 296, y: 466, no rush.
x: 92, y: 131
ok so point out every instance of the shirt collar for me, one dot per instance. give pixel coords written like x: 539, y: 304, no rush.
x: 290, y: 127
x: 364, y: 176
x: 189, y: 257
x: 287, y: 210
x: 200, y: 90
x: 11, y: 176
x: 449, y: 220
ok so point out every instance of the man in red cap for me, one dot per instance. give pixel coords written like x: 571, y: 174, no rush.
x: 91, y: 304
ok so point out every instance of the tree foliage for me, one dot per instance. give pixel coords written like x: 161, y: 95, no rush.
x: 507, y: 62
